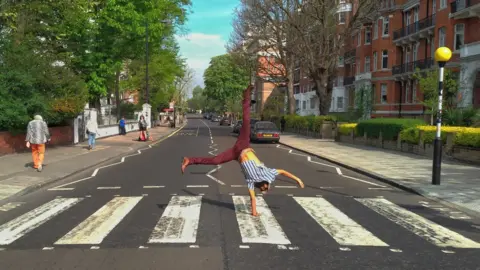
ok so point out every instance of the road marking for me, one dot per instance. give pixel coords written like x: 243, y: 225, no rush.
x: 97, y: 226
x: 47, y: 248
x: 67, y: 184
x: 380, y: 188
x: 108, y: 187
x: 153, y: 186
x: 61, y: 189
x: 293, y: 248
x: 142, y: 247
x: 339, y: 171
x: 448, y: 251
x: 244, y: 246
x: 262, y: 229
x: 11, y: 205
x: 238, y: 186
x: 193, y: 246
x: 363, y: 181
x: 420, y: 226
x: 343, y: 229
x: 94, y: 247
x: 286, y: 187
x: 395, y: 250
x: 179, y: 222
x: 345, y: 249
x: 197, y: 186
x: 213, y: 178
x: 20, y: 226
x: 330, y: 187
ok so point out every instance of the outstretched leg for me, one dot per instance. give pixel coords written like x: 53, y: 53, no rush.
x: 223, y: 157
x: 243, y: 140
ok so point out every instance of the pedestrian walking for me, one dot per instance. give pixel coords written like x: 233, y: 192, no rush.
x: 121, y: 125
x: 257, y: 175
x: 282, y: 124
x: 142, y: 126
x: 92, y: 132
x: 37, y: 136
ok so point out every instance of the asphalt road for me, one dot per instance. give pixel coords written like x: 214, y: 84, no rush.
x: 144, y: 214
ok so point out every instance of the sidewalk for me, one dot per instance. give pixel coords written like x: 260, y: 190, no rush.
x: 460, y: 183
x: 17, y: 175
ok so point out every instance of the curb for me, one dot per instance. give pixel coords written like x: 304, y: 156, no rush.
x: 32, y: 188
x: 386, y: 180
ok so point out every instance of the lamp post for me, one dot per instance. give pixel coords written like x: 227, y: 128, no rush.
x: 442, y: 55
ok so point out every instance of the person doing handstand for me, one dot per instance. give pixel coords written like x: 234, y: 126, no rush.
x: 257, y: 175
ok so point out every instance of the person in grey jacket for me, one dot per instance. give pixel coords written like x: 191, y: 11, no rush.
x: 37, y: 136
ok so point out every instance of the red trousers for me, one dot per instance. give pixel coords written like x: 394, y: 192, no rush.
x: 243, y: 140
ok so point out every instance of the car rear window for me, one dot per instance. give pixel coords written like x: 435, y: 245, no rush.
x: 266, y: 125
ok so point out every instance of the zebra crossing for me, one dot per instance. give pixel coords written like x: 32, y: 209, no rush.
x: 179, y: 223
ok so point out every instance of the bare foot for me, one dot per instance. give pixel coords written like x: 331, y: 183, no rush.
x: 184, y: 164
x: 255, y: 214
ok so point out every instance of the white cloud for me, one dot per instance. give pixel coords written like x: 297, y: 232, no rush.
x: 198, y: 48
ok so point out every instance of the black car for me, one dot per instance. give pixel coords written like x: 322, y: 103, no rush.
x: 238, y: 125
x: 264, y: 131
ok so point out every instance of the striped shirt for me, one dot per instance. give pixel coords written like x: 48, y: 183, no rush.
x: 37, y: 132
x: 254, y: 170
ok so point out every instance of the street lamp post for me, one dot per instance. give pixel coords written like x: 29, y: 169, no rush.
x: 147, y: 98
x: 442, y: 55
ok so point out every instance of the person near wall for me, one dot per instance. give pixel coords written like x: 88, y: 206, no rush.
x: 92, y: 132
x: 282, y: 124
x: 121, y: 125
x: 142, y: 126
x: 37, y: 136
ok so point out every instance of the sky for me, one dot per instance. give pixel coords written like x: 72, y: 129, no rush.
x: 209, y: 25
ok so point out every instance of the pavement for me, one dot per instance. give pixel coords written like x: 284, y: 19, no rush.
x: 144, y: 214
x: 460, y: 182
x: 17, y: 175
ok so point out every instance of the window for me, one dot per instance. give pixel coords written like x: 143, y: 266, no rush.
x: 296, y: 90
x: 358, y: 68
x: 414, y: 92
x: 441, y: 37
x: 415, y: 51
x: 304, y: 105
x: 385, y: 27
x: 407, y: 92
x: 384, y: 92
x: 368, y: 35
x: 339, y: 102
x: 341, y: 17
x: 375, y: 31
x: 340, y: 81
x: 367, y: 64
x: 374, y: 94
x: 443, y: 4
x: 375, y: 60
x: 384, y: 59
x: 434, y: 6
x: 359, y: 39
x: 297, y: 103
x: 459, y: 36
x: 340, y: 61
x: 312, y: 103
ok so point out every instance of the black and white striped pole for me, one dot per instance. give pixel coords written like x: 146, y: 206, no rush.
x: 442, y: 55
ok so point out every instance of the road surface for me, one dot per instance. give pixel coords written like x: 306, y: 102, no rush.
x: 140, y: 212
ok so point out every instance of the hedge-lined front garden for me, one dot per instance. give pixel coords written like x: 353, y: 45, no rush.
x: 409, y: 131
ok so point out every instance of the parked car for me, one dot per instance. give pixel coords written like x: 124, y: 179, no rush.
x: 225, y: 121
x: 264, y: 131
x: 215, y: 118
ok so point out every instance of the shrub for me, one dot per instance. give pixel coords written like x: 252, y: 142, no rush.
x: 389, y: 127
x: 311, y: 122
x: 345, y: 129
x: 464, y: 136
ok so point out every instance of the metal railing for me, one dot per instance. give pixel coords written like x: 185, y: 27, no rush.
x: 459, y: 5
x: 348, y: 80
x: 412, y: 66
x: 414, y: 27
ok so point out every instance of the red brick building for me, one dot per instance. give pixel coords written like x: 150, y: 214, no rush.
x: 403, y: 39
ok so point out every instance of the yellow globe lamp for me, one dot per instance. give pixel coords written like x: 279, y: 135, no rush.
x: 443, y: 54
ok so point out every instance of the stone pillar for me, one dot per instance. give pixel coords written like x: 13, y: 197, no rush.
x: 147, y: 113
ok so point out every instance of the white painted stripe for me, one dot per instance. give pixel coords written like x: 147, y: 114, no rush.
x: 418, y: 225
x: 153, y: 186
x: 343, y: 229
x: 197, y: 186
x: 108, y: 187
x: 237, y: 186
x: 61, y: 189
x: 67, y: 184
x: 179, y: 222
x: 97, y: 226
x: 261, y: 229
x: 363, y: 181
x: 339, y: 171
x: 20, y: 226
x: 380, y: 188
x: 286, y: 186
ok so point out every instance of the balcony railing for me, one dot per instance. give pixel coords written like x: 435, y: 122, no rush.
x: 351, y: 53
x: 348, y: 80
x: 412, y: 66
x: 414, y: 27
x: 459, y: 5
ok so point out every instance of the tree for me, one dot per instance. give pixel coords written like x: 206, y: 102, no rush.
x: 258, y: 26
x: 428, y: 83
x: 225, y: 80
x: 316, y: 37
x: 198, y: 100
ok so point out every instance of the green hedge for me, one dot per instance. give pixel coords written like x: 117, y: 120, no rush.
x: 311, y: 122
x: 389, y: 127
x: 463, y: 135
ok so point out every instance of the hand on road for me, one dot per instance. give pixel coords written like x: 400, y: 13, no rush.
x: 300, y: 183
x: 255, y: 214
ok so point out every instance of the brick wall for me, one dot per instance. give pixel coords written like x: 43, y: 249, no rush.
x: 10, y: 144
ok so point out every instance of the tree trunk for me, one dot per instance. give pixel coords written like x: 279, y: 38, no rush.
x: 324, y: 92
x: 117, y: 94
x: 291, y: 97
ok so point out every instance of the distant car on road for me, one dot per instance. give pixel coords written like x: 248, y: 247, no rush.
x: 264, y: 131
x: 225, y: 121
x: 215, y: 118
x: 236, y: 127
